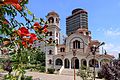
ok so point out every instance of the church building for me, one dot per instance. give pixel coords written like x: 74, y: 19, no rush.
x: 78, y: 48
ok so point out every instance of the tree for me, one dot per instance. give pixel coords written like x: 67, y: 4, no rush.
x: 18, y: 37
x: 111, y: 72
x: 85, y: 73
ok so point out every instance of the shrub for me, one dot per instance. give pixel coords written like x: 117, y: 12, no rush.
x: 85, y: 73
x: 42, y: 69
x: 51, y: 71
x: 100, y: 75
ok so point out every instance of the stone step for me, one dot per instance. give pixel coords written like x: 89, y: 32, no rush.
x: 69, y: 72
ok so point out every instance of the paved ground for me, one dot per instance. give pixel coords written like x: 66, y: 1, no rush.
x: 44, y: 76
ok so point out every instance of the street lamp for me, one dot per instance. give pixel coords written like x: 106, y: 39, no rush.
x: 74, y: 54
x: 93, y: 50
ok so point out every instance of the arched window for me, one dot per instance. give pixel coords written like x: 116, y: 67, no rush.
x: 50, y: 40
x: 51, y: 20
x: 76, y: 44
x: 93, y: 62
x: 56, y: 34
x: 57, y: 41
x: 50, y: 61
x: 87, y: 33
x: 57, y: 20
x: 58, y: 62
x: 50, y: 51
x: 50, y: 33
x: 62, y: 49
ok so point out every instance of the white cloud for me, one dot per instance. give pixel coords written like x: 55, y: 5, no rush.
x: 112, y: 49
x: 108, y: 46
x: 112, y: 32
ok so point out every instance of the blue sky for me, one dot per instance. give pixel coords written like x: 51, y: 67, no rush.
x: 103, y: 18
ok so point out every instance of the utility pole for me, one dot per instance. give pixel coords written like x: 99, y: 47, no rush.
x: 93, y: 50
x: 74, y: 54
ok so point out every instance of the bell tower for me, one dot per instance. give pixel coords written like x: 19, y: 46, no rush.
x: 54, y: 35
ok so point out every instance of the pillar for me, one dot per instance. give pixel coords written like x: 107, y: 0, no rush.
x: 70, y: 64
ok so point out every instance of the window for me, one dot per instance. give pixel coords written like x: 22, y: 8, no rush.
x: 87, y: 33
x: 50, y: 40
x: 50, y: 51
x: 56, y: 41
x: 51, y: 20
x: 50, y: 33
x: 62, y: 49
x: 56, y: 34
x: 50, y: 61
x: 76, y: 44
x: 81, y: 32
x: 57, y: 20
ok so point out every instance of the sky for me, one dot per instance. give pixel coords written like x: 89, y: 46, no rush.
x: 103, y: 18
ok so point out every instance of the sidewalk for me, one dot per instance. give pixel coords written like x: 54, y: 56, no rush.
x: 44, y: 76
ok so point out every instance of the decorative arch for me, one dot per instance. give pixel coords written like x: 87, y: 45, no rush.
x: 66, y: 63
x: 51, y: 20
x: 75, y: 61
x: 93, y: 62
x: 83, y: 62
x: 81, y: 42
x: 59, y: 62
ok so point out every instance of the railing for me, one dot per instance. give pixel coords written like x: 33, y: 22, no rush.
x: 61, y: 69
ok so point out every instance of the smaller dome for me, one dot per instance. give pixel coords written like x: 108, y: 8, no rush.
x: 52, y: 14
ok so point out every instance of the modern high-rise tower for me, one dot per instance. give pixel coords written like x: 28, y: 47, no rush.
x: 78, y: 19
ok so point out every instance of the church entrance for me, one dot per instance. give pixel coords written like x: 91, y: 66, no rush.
x: 75, y: 63
x: 67, y: 63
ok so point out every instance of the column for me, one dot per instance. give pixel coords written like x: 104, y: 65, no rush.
x: 70, y: 64
x: 99, y: 64
x: 79, y: 63
x: 87, y: 63
x: 63, y: 63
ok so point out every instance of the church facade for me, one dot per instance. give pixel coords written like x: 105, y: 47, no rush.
x: 75, y: 51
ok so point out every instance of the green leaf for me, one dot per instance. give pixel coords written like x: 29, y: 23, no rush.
x: 1, y: 31
x: 29, y: 12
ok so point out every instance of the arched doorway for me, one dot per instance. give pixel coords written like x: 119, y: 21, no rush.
x: 83, y: 63
x: 104, y: 61
x: 66, y: 63
x: 59, y: 62
x: 93, y: 62
x: 75, y: 61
